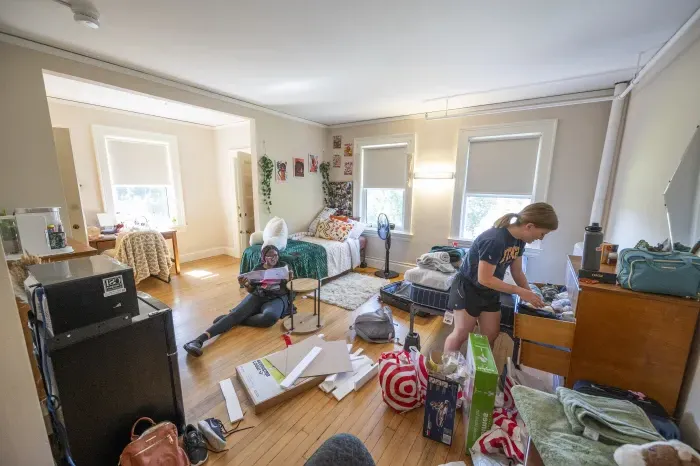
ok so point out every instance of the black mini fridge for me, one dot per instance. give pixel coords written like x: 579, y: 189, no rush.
x: 105, y: 381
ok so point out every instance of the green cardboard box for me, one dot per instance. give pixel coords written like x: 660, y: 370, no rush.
x: 479, y: 389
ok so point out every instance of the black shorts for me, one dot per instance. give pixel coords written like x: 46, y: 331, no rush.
x: 465, y: 295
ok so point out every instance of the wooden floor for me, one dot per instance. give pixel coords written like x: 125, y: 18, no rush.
x: 288, y: 433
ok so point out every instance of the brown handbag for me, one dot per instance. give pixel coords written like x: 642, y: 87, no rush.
x: 158, y: 445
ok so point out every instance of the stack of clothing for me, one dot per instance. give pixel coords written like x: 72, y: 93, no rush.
x: 437, y: 268
x: 556, y: 299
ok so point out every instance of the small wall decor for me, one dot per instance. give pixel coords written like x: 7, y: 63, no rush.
x: 281, y: 171
x: 336, y: 161
x: 313, y: 163
x: 348, y: 168
x: 299, y: 167
x: 348, y: 150
x: 337, y: 142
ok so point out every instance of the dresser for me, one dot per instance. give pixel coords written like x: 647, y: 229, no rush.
x: 631, y: 340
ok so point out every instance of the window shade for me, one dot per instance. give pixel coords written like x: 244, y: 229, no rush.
x: 138, y: 163
x: 505, y: 166
x: 385, y: 168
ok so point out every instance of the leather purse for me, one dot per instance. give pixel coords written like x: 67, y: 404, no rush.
x: 158, y: 445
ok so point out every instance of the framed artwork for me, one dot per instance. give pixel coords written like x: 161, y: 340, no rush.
x: 299, y: 167
x: 281, y: 171
x: 336, y: 161
x: 337, y: 142
x: 348, y: 150
x: 348, y: 168
x: 313, y: 163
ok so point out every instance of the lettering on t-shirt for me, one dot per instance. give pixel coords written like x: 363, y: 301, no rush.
x: 510, y: 254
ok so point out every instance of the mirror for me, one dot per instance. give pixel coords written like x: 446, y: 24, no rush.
x: 682, y: 197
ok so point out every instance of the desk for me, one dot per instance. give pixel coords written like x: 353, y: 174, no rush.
x: 109, y: 242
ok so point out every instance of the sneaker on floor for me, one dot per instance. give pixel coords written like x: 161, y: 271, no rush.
x: 195, y: 447
x: 214, y: 431
x: 194, y: 348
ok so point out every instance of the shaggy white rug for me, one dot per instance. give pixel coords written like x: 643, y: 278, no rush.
x: 352, y: 290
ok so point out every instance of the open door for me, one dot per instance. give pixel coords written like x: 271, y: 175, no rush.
x: 244, y: 197
x: 71, y: 189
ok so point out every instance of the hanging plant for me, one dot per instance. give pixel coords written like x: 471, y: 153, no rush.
x: 325, y: 168
x: 266, y: 168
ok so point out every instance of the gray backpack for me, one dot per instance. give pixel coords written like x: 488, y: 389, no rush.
x: 376, y: 326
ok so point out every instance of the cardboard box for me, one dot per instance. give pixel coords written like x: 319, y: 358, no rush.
x: 479, y: 390
x: 261, y: 381
x: 440, y: 409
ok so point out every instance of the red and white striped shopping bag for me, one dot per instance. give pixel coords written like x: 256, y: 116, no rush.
x: 403, y: 378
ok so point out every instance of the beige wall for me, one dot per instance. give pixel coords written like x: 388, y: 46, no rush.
x: 206, y: 229
x: 23, y: 435
x: 661, y: 120
x: 577, y: 152
x: 229, y: 140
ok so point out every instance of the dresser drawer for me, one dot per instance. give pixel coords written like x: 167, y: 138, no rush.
x: 552, y: 332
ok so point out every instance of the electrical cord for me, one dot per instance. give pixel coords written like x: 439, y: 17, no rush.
x: 58, y: 427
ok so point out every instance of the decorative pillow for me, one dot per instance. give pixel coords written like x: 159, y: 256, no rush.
x: 256, y: 238
x: 323, y: 215
x: 357, y: 229
x: 333, y: 230
x: 275, y: 233
x: 340, y: 218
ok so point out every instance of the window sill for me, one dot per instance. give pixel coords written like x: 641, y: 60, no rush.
x: 466, y: 243
x: 395, y: 235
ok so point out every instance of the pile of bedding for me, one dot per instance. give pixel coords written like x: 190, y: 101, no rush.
x: 437, y: 268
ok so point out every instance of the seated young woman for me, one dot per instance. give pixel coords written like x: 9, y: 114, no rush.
x: 261, y: 308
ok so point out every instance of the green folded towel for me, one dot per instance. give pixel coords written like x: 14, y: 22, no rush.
x: 615, y: 422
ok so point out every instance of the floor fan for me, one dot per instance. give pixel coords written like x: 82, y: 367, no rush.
x: 384, y: 232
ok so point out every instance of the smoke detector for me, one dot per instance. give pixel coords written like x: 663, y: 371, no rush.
x: 84, y: 12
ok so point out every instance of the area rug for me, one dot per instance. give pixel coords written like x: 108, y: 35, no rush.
x: 352, y: 290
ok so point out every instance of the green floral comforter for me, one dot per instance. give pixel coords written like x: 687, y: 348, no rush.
x: 307, y: 260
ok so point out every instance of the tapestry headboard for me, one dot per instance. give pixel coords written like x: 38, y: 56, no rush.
x: 340, y: 197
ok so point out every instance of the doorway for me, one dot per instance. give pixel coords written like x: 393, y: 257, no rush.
x: 243, y: 193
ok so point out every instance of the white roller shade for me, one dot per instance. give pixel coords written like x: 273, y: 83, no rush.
x: 505, y: 166
x: 385, y: 168
x: 138, y: 163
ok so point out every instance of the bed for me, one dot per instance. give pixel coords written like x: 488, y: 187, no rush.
x: 311, y: 257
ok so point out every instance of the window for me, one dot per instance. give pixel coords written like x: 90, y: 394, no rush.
x: 499, y: 170
x: 140, y: 176
x: 382, y: 175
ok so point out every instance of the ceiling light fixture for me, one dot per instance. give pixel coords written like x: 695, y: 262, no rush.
x: 84, y: 12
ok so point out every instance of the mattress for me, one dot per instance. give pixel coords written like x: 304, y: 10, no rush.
x: 430, y: 278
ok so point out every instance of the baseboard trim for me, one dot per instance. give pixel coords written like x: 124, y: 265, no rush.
x: 378, y: 263
x: 204, y: 253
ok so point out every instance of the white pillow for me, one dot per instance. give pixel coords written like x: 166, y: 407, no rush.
x: 275, y: 233
x: 256, y: 238
x: 325, y: 214
x: 357, y: 229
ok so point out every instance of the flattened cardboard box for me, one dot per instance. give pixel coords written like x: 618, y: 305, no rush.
x: 261, y: 381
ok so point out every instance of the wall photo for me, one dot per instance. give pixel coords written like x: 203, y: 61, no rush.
x: 281, y: 171
x: 313, y: 163
x: 298, y: 167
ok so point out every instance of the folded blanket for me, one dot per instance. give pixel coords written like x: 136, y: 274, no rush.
x: 615, y: 422
x: 456, y: 254
x: 439, y: 261
x: 552, y: 435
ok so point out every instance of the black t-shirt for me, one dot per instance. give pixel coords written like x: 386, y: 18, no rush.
x: 495, y: 246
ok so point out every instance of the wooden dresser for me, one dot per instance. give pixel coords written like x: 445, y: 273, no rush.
x: 636, y: 341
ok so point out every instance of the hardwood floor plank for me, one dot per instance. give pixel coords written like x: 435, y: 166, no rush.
x: 289, y: 433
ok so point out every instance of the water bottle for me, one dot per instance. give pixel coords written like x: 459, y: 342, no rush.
x: 592, y: 240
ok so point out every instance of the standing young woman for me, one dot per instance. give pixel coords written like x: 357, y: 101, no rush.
x: 475, y: 293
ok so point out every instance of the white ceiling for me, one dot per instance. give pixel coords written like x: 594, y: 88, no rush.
x: 111, y: 97
x: 335, y: 62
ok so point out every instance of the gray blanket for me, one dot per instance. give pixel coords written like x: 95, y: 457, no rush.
x: 439, y: 261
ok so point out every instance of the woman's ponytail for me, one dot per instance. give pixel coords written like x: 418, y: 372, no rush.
x: 506, y: 220
x: 540, y: 214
